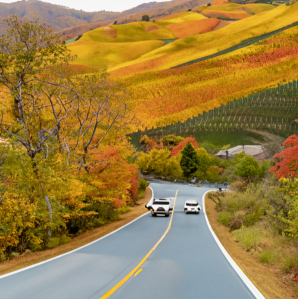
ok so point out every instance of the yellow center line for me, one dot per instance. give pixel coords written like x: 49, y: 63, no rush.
x: 128, y: 276
x: 138, y: 272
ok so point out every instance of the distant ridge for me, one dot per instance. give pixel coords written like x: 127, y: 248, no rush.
x: 155, y: 10
x: 61, y: 17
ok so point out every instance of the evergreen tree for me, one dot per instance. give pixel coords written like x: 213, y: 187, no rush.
x: 145, y: 18
x: 189, y: 160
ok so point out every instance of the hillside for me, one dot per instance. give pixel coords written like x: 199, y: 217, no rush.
x: 61, y: 17
x: 191, y: 48
x: 116, y: 44
x: 162, y: 95
x: 156, y: 13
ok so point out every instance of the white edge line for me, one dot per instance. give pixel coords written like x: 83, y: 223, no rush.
x: 240, y: 273
x: 72, y: 251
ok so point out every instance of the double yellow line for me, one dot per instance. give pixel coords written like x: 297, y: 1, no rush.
x: 137, y: 269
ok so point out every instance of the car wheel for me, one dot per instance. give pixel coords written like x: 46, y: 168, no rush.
x: 167, y: 215
x: 153, y: 214
x: 186, y: 212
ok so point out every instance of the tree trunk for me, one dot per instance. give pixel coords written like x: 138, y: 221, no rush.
x: 50, y: 215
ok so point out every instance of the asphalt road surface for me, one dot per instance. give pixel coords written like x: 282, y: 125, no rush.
x: 187, y: 264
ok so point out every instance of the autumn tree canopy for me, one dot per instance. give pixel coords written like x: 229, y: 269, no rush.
x: 182, y: 145
x: 287, y: 161
x: 57, y: 125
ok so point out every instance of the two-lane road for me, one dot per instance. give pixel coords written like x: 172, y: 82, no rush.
x: 187, y: 264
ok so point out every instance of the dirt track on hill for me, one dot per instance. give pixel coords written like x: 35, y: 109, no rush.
x: 272, y: 143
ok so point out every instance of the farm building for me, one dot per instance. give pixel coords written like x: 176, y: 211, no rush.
x: 257, y: 151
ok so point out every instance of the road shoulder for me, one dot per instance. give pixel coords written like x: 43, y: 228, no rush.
x: 264, y: 277
x: 79, y: 241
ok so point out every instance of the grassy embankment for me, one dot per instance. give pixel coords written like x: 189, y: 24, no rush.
x: 271, y: 282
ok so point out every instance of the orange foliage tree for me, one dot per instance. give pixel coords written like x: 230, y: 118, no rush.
x: 287, y: 165
x: 182, y: 144
x: 118, y: 179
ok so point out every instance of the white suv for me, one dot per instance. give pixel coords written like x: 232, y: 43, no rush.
x: 192, y: 206
x: 161, y: 206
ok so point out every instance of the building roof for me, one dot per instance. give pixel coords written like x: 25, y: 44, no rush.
x: 252, y: 150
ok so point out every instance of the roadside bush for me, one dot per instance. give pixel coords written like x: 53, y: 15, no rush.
x: 173, y: 168
x: 124, y: 210
x: 52, y: 243
x: 212, y: 174
x: 235, y: 224
x: 224, y: 218
x: 143, y: 184
x: 289, y: 262
x: 254, y: 217
x: 268, y: 256
x: 2, y: 257
x: 14, y: 255
x: 237, y: 186
x: 248, y: 237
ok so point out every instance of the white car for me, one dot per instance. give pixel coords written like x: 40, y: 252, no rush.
x: 192, y: 206
x: 161, y: 206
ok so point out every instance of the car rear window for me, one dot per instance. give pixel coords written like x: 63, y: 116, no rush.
x: 162, y: 203
x: 192, y: 204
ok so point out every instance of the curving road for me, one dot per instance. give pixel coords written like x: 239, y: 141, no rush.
x: 187, y: 264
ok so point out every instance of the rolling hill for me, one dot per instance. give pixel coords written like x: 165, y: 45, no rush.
x: 61, y: 17
x: 174, y: 6
x: 215, y: 67
x: 252, y: 60
x: 197, y: 46
x: 116, y: 44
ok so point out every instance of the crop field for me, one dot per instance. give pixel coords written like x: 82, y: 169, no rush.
x: 166, y: 97
x: 233, y: 10
x: 198, y: 46
x: 193, y: 27
x: 274, y: 110
x: 132, y: 32
x: 263, y: 55
x: 110, y: 46
x: 180, y: 18
x: 102, y: 54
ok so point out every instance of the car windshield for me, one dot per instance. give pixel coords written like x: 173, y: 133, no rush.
x: 162, y: 203
x: 192, y: 204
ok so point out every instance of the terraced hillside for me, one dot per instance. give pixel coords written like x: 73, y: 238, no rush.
x: 274, y: 110
x: 253, y: 54
x: 194, y: 47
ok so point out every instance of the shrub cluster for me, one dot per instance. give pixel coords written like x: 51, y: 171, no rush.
x: 261, y: 219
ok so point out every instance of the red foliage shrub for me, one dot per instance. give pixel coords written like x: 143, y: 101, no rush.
x: 182, y: 144
x: 287, y: 165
